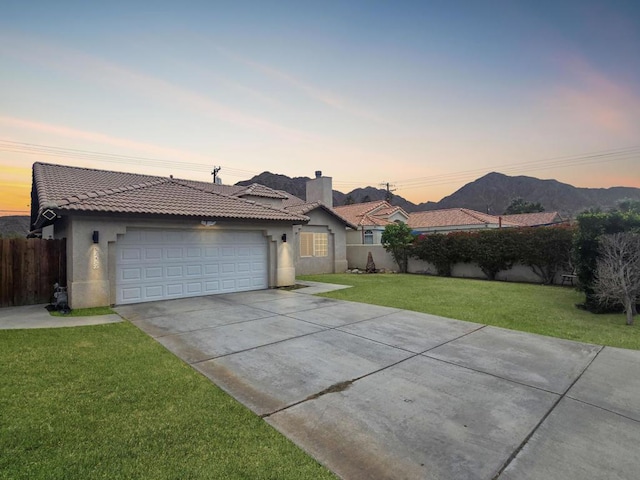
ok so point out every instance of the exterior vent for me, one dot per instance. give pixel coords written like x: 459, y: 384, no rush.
x: 49, y: 214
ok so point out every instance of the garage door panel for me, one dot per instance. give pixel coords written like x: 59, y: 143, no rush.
x: 131, y: 253
x: 174, y: 254
x: 174, y: 271
x: 153, y: 292
x: 156, y: 264
x: 228, y: 268
x: 194, y: 271
x: 153, y: 273
x: 131, y: 274
x: 211, y: 269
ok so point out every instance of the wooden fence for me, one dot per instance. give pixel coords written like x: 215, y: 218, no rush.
x: 28, y: 269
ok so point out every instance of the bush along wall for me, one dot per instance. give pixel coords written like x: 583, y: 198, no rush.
x: 547, y: 250
x: 591, y: 226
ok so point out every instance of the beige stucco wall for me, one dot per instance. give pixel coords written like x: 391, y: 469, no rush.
x: 91, y: 267
x: 356, y: 237
x: 357, y: 258
x: 336, y: 260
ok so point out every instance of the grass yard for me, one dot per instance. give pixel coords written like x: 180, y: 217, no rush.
x: 546, y: 310
x: 109, y: 402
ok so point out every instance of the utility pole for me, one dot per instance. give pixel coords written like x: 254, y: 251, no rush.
x: 215, y: 173
x: 388, y: 186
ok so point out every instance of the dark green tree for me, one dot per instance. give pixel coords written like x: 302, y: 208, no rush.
x: 349, y: 200
x: 519, y: 205
x: 397, y: 239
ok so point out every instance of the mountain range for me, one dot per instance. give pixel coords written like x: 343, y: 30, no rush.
x: 491, y: 193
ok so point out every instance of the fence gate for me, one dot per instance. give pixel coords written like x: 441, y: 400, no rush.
x: 28, y: 269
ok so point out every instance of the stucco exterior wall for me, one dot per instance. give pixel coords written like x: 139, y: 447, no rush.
x: 91, y: 267
x: 357, y: 258
x: 336, y: 260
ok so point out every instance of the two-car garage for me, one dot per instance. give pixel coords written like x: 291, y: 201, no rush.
x: 154, y: 264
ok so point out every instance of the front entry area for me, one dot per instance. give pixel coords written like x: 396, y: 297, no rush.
x: 155, y: 264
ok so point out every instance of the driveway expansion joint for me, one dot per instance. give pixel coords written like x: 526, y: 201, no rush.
x: 515, y: 453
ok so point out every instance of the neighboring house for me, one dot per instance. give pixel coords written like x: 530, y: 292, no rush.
x: 135, y: 238
x: 455, y: 219
x: 370, y: 218
x: 538, y: 219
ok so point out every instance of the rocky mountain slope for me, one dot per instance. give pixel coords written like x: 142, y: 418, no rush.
x: 491, y: 193
x: 14, y: 226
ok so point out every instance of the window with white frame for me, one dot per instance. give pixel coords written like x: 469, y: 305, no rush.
x: 314, y: 244
x: 368, y: 237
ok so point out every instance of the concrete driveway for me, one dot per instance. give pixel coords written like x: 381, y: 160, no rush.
x: 376, y: 392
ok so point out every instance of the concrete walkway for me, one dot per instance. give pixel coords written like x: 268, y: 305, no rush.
x: 377, y: 392
x: 37, y: 316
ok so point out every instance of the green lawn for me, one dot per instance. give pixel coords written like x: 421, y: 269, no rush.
x: 538, y: 309
x: 109, y: 402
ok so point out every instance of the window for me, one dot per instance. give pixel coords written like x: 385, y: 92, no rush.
x: 368, y: 237
x: 314, y: 244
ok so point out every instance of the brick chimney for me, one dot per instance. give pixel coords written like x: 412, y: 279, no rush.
x: 320, y: 189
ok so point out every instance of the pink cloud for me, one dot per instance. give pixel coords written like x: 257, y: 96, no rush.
x: 82, y: 135
x: 100, y: 71
x: 594, y: 99
x: 311, y: 91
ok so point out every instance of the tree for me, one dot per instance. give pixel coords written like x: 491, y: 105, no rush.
x: 397, y: 239
x: 628, y: 205
x: 365, y: 199
x: 586, y: 249
x: 519, y: 205
x: 618, y: 271
x: 349, y: 200
x: 547, y: 250
x: 495, y: 250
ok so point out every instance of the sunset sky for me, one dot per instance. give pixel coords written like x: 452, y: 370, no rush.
x: 426, y: 95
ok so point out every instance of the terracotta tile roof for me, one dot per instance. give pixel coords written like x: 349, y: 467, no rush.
x: 368, y: 213
x: 304, y: 208
x: 66, y: 189
x: 255, y: 189
x: 290, y: 200
x: 453, y: 217
x: 534, y: 219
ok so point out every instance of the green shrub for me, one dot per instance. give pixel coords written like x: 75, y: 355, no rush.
x: 545, y: 249
x: 586, y: 245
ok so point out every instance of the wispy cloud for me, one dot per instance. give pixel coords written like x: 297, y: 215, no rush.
x: 103, y: 72
x: 316, y: 93
x: 595, y: 99
x: 101, y: 138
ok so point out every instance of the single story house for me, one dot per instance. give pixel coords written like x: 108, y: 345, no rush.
x: 370, y: 218
x: 538, y: 219
x: 135, y: 238
x: 455, y: 219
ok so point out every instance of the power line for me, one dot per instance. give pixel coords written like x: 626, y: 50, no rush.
x: 557, y: 162
x: 72, y: 153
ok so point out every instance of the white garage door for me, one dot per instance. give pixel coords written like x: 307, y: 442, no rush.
x: 163, y: 264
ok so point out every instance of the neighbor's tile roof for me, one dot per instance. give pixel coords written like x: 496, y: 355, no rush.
x: 65, y: 189
x: 368, y: 213
x: 304, y: 208
x: 453, y: 217
x: 534, y: 219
